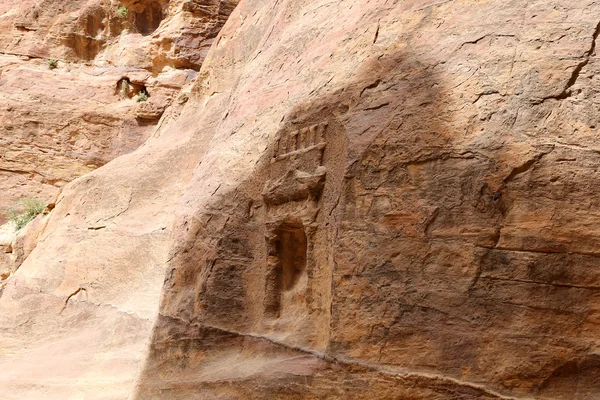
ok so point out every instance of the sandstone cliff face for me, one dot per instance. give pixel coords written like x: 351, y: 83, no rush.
x: 360, y: 200
x: 59, y: 124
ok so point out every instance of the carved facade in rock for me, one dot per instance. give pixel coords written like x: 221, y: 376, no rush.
x: 292, y: 199
x: 439, y: 242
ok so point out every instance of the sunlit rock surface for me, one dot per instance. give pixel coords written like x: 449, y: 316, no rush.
x: 360, y: 199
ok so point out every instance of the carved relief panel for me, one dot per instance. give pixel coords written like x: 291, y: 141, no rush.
x: 292, y: 199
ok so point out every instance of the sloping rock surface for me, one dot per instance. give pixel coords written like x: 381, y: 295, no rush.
x: 64, y: 109
x: 380, y: 199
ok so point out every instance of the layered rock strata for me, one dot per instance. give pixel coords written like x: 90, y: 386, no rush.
x: 64, y: 109
x: 360, y: 200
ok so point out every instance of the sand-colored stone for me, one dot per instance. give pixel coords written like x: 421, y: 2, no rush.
x: 59, y: 124
x: 357, y: 200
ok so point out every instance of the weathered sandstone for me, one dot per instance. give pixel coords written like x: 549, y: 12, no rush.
x: 59, y: 124
x: 360, y: 199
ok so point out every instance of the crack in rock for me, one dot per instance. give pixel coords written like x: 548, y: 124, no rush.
x: 75, y: 293
x: 566, y: 92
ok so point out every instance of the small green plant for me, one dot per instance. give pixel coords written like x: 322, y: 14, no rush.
x: 52, y: 63
x: 122, y: 12
x: 142, y: 96
x: 26, y: 210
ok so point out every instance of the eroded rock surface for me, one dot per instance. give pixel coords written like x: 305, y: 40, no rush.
x: 60, y: 121
x: 359, y: 200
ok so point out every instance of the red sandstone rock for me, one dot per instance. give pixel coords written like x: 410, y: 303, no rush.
x: 359, y: 200
x: 61, y: 123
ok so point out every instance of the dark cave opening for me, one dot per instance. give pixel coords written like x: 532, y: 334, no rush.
x: 125, y: 88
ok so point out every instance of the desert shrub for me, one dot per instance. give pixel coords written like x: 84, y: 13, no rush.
x: 122, y: 12
x: 26, y: 210
x: 142, y: 96
x: 52, y: 63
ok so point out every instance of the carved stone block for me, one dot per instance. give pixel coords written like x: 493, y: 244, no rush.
x: 295, y: 186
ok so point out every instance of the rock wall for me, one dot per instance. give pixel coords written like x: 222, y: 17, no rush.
x: 360, y: 200
x: 60, y: 123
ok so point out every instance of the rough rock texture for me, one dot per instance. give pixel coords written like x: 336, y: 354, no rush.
x: 8, y: 262
x: 59, y: 124
x: 383, y: 199
x: 151, y: 34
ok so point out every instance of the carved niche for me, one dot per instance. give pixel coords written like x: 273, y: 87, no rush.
x: 292, y: 199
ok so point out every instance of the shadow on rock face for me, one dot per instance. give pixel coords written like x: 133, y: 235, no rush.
x: 575, y: 379
x: 367, y: 242
x: 255, y: 280
x: 148, y: 18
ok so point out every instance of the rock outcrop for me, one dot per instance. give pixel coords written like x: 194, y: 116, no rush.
x: 359, y: 200
x: 64, y: 109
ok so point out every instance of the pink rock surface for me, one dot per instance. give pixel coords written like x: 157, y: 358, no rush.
x: 59, y: 124
x: 359, y: 200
